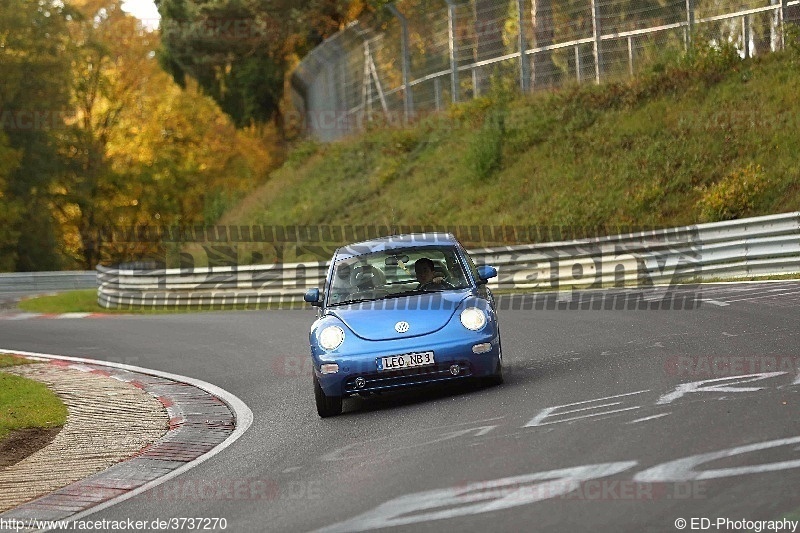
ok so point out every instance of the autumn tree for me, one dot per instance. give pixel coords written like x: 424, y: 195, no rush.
x: 109, y: 56
x: 139, y: 149
x: 33, y: 99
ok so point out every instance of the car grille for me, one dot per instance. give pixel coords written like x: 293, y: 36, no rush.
x: 378, y: 381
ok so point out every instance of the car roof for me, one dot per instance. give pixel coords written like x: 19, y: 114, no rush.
x: 409, y: 240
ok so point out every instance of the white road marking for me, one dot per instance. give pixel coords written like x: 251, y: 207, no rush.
x: 505, y: 493
x: 538, y: 420
x: 242, y: 414
x: 73, y: 315
x: 716, y: 302
x: 684, y: 469
x: 649, y: 418
x: 698, y: 386
x: 764, y: 296
x: 482, y: 497
x: 340, y: 453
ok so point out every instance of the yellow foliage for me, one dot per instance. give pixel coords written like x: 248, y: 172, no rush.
x: 733, y: 196
x: 144, y: 151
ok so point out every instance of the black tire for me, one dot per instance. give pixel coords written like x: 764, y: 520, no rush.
x: 326, y: 405
x: 496, y: 378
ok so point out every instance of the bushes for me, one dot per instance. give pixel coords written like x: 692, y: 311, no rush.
x: 485, y: 153
x: 712, y: 61
x: 733, y: 196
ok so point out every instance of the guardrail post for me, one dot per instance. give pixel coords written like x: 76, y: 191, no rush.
x: 451, y: 40
x: 783, y: 23
x: 746, y: 35
x: 630, y: 55
x: 689, y: 23
x: 340, y: 89
x: 475, y: 88
x: 408, y: 102
x: 377, y: 81
x: 774, y: 26
x: 524, y: 64
x: 596, y: 30
x: 578, y: 65
x: 366, y: 101
x: 437, y: 93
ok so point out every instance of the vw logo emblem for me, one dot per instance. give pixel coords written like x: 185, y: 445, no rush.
x: 401, y: 327
x: 360, y: 382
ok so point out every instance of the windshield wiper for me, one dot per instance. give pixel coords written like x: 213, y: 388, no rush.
x: 406, y: 293
x: 357, y: 301
x: 421, y: 291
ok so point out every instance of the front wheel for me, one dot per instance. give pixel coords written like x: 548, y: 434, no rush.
x: 497, y: 377
x: 326, y: 405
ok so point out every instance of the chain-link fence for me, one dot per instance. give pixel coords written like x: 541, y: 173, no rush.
x: 417, y: 56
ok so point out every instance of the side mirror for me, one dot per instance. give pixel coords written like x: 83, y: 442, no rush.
x: 486, y: 272
x: 312, y: 296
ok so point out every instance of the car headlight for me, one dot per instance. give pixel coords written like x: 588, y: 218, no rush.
x: 331, y: 337
x: 473, y: 318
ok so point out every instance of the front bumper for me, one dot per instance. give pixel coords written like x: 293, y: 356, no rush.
x: 361, y: 362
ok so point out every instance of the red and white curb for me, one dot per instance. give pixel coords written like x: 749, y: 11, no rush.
x: 204, y: 420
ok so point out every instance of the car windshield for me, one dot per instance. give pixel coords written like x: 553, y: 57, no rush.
x: 394, y: 273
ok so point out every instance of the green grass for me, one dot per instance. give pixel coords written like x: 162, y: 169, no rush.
x: 701, y: 138
x: 13, y: 360
x: 81, y: 301
x: 25, y: 403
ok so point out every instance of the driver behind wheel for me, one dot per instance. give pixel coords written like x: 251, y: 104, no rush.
x: 427, y: 277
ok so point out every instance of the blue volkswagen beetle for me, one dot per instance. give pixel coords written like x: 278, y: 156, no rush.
x: 398, y: 312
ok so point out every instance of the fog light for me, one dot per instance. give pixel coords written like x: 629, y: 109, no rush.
x: 455, y: 369
x: 360, y: 382
x: 482, y: 347
x: 329, y: 368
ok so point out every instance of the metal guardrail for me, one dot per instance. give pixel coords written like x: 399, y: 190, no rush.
x: 47, y: 281
x: 749, y: 247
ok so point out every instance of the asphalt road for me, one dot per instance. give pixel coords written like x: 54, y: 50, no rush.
x: 600, y: 426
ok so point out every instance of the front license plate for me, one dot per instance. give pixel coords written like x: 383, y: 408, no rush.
x: 409, y: 360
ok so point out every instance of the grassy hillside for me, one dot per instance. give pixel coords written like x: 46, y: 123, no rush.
x: 702, y: 138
